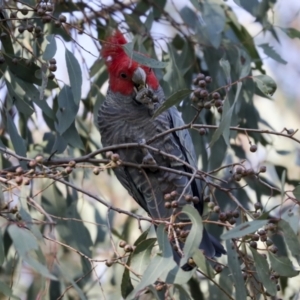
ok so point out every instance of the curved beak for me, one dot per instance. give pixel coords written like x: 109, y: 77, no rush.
x: 139, y: 78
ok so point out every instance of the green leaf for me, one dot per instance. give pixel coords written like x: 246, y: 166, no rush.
x: 126, y: 285
x: 296, y: 192
x: 17, y: 141
x: 172, y: 100
x: 51, y: 47
x: 154, y: 270
x: 244, y: 229
x: 224, y: 63
x: 269, y: 51
x: 183, y: 294
x: 2, y: 252
x: 143, y: 59
x: 263, y: 272
x: 266, y: 84
x: 290, y: 237
x: 142, y: 237
x: 195, y: 236
x: 23, y: 240
x: 72, y: 137
x: 140, y: 257
x: 39, y: 267
x: 214, y: 18
x: 291, y: 32
x: 224, y: 127
x: 236, y: 273
x: 75, y: 75
x: 282, y: 265
x: 203, y: 264
x: 6, y: 291
x: 67, y: 110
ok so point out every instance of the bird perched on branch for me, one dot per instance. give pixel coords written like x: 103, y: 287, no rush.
x: 126, y: 117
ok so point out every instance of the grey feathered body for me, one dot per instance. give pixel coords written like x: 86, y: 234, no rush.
x: 122, y: 120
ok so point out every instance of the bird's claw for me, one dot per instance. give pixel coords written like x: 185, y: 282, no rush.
x: 146, y: 97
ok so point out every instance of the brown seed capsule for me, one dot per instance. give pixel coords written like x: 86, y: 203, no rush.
x: 256, y: 215
x: 191, y: 262
x: 174, y: 204
x: 217, y: 209
x: 218, y: 268
x: 115, y: 157
x: 211, y: 205
x: 202, y: 83
x: 261, y: 232
x: 218, y: 103
x: 168, y: 205
x: 273, y: 249
x: 2, y: 60
x: 239, y: 170
x: 21, y: 29
x: 37, y: 29
x: 26, y: 181
x: 68, y: 170
x: 52, y: 61
x: 253, y: 244
x: 232, y: 221
x: 19, y: 180
x: 203, y: 93
x: 188, y: 198
x: 57, y: 24
x: 62, y: 18
x: 174, y: 194
x: 200, y: 76
x: 96, y: 171
x: 40, y: 12
x: 52, y: 68
x: 255, y: 237
x: 253, y: 148
x: 46, y: 19
x: 207, y: 105
x: 32, y: 163
x: 220, y: 109
x: 19, y: 170
x: 109, y: 263
x: 216, y: 96
x: 15, y: 61
x: 262, y: 169
x: 167, y: 197
x: 236, y: 214
x: 122, y: 244
x: 13, y: 15
x: 222, y: 217
x: 202, y: 131
x: 257, y: 206
x: 206, y: 199
x: 108, y: 154
x: 128, y: 248
x: 208, y: 79
x: 49, y: 7
x: 195, y: 200
x: 39, y: 159
x: 51, y: 76
x: 30, y: 27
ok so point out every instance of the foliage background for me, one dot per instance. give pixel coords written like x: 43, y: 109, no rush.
x: 60, y: 225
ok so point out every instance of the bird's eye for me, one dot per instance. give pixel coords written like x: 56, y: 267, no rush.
x: 123, y: 75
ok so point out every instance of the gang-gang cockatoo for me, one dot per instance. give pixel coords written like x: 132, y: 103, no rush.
x: 126, y: 116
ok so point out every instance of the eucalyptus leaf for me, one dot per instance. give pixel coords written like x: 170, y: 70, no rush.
x: 263, y: 271
x: 236, y: 273
x: 195, y: 236
x: 6, y: 291
x: 172, y: 100
x: 282, y: 265
x: 51, y: 47
x: 143, y: 59
x: 203, y: 264
x: 266, y: 84
x: 75, y: 75
x: 290, y: 237
x: 269, y: 51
